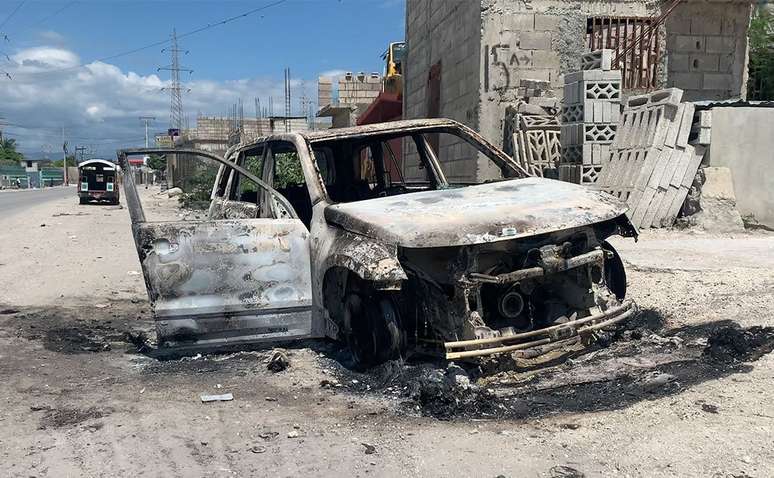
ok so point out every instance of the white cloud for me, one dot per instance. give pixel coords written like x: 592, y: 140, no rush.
x: 50, y: 36
x: 44, y: 58
x: 99, y: 104
x: 333, y: 73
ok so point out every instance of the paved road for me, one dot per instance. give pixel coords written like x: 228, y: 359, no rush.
x: 13, y: 202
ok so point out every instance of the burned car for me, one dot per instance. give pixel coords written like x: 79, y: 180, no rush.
x: 371, y: 235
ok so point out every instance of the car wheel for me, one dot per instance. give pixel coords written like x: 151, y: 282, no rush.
x: 372, y: 327
x: 83, y: 200
x: 615, y: 274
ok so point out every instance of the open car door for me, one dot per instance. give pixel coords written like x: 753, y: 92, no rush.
x: 227, y: 282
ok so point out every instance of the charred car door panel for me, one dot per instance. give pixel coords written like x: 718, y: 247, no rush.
x: 219, y: 281
x: 225, y: 282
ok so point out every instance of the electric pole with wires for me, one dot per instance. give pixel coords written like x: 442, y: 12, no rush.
x: 176, y: 87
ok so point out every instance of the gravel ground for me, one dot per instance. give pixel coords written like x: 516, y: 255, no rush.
x: 669, y: 396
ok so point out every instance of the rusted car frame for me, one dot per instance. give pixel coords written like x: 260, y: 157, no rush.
x: 387, y: 266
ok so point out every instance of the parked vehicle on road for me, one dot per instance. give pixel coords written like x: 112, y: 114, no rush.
x: 367, y: 235
x: 98, y: 181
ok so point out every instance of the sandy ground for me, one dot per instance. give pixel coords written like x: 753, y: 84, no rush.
x: 79, y: 400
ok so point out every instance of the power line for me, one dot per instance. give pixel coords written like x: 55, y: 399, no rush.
x: 45, y: 19
x: 13, y: 13
x: 164, y: 42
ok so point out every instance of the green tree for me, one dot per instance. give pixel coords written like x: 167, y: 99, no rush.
x: 157, y: 163
x: 761, y: 35
x: 60, y: 162
x: 8, y: 153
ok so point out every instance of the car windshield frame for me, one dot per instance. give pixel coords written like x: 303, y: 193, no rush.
x: 508, y: 167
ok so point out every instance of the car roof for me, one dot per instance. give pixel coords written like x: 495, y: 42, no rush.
x: 317, y: 136
x: 401, y: 126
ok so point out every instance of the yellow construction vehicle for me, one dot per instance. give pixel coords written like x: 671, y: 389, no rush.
x: 393, y: 67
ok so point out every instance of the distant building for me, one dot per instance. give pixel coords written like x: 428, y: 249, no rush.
x: 354, y: 94
x: 216, y: 135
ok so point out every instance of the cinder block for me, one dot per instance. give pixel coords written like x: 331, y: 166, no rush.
x: 720, y: 44
x: 534, y: 84
x: 518, y: 22
x: 592, y: 75
x: 544, y: 102
x: 535, y: 41
x: 717, y: 81
x: 679, y: 62
x: 686, y: 81
x: 727, y: 62
x: 598, y: 60
x: 704, y: 62
x: 705, y: 118
x: 705, y: 25
x: 547, y: 22
x: 545, y: 59
x: 689, y: 43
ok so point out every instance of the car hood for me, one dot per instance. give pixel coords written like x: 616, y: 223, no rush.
x: 476, y: 214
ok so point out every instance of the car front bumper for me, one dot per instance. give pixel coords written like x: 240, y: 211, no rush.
x: 535, y: 338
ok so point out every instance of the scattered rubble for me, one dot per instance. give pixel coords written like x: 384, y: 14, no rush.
x: 279, y: 361
x: 369, y: 449
x: 226, y: 397
x: 733, y: 344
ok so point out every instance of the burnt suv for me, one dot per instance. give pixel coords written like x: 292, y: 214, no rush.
x: 374, y: 235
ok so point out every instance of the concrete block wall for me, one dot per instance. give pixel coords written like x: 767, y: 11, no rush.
x: 541, y: 39
x: 324, y: 91
x: 446, y: 32
x: 707, y: 49
x: 359, y: 88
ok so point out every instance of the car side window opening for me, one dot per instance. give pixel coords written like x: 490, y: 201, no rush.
x: 366, y: 169
x: 244, y: 189
x: 283, y: 172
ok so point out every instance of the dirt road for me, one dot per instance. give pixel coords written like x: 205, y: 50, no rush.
x: 663, y: 398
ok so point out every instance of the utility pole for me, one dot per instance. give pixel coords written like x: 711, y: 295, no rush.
x: 287, y: 100
x: 176, y: 87
x: 64, y: 158
x: 146, y: 119
x: 79, y: 149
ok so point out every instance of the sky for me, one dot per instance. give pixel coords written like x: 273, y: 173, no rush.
x: 68, y: 63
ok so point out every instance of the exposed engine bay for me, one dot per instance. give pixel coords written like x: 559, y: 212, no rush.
x: 473, y: 298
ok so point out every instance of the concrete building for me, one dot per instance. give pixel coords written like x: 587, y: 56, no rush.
x: 354, y: 95
x: 216, y: 134
x: 466, y: 58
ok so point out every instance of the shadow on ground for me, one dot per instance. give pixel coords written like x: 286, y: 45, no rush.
x: 644, y: 360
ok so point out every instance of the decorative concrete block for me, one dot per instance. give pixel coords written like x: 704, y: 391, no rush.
x: 598, y: 60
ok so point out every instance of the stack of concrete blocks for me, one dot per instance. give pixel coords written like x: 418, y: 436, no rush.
x: 651, y: 164
x: 590, y: 112
x: 532, y: 128
x: 324, y: 91
x: 702, y: 128
x: 359, y: 89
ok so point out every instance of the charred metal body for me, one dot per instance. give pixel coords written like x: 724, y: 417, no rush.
x: 385, y: 264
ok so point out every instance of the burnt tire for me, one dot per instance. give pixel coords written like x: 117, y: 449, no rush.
x: 83, y: 200
x: 372, y: 326
x: 615, y: 274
